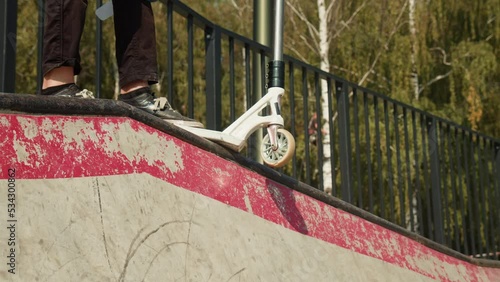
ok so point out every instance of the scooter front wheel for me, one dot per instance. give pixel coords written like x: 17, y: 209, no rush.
x: 282, y: 153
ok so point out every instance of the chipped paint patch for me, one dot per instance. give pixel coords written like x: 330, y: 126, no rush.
x: 45, y: 130
x: 4, y: 121
x: 138, y: 145
x: 75, y: 133
x: 29, y: 127
x: 21, y: 152
x: 67, y: 145
x: 222, y: 176
x: 248, y: 203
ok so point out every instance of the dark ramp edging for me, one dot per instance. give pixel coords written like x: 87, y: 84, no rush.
x: 37, y: 104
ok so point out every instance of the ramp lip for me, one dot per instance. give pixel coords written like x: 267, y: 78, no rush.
x: 43, y: 105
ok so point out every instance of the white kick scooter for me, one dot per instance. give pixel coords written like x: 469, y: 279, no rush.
x: 278, y: 146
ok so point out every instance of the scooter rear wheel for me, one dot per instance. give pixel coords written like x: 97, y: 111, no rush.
x: 280, y: 156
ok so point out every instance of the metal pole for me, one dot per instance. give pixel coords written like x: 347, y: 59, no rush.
x: 41, y: 26
x: 496, y: 193
x: 342, y: 93
x: 213, y: 77
x: 262, y: 21
x: 8, y: 29
x: 98, y: 43
x: 278, y: 31
x: 437, y: 208
x: 276, y: 71
x: 261, y: 34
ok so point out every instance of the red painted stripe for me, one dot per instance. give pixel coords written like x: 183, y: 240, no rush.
x: 66, y: 147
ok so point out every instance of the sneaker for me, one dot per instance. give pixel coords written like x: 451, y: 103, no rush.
x: 69, y: 90
x: 145, y: 100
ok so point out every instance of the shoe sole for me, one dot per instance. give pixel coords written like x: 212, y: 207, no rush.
x: 185, y: 123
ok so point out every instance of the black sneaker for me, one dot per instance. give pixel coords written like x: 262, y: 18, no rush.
x: 145, y: 100
x: 68, y: 90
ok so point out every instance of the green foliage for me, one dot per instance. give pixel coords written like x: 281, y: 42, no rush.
x: 26, y: 56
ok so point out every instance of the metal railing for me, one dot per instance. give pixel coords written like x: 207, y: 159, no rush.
x: 424, y: 173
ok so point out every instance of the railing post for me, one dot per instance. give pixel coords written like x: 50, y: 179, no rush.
x: 170, y: 51
x: 437, y: 209
x: 496, y: 169
x: 213, y: 77
x: 344, y: 140
x: 8, y: 30
x: 98, y: 47
x: 40, y: 33
x: 496, y: 189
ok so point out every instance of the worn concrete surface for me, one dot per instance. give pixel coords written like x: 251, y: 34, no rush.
x: 139, y: 228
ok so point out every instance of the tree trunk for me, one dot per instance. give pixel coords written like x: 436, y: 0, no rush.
x: 324, y: 49
x: 414, y: 49
x: 117, y: 80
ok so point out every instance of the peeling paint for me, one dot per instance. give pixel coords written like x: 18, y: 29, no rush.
x: 248, y: 203
x: 122, y: 139
x: 29, y: 127
x: 4, y: 121
x: 22, y: 154
x: 222, y: 176
x: 45, y: 130
x: 76, y: 133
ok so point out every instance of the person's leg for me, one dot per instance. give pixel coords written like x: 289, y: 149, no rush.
x: 64, y: 21
x: 58, y: 76
x: 137, y: 63
x: 135, y: 44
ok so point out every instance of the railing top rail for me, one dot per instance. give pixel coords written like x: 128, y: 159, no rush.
x: 204, y: 23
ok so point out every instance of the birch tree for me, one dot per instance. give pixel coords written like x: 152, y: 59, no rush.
x: 321, y: 37
x: 321, y: 46
x: 324, y: 48
x: 413, y: 53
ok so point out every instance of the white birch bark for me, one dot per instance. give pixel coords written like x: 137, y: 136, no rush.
x: 416, y: 92
x: 319, y: 41
x: 324, y: 48
x: 117, y: 80
x: 414, y: 49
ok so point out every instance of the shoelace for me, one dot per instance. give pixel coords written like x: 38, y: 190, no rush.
x: 161, y: 103
x: 85, y: 94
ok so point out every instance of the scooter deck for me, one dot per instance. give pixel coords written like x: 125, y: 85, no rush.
x: 226, y: 140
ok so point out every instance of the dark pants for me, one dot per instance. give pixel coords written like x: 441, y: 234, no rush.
x: 134, y: 31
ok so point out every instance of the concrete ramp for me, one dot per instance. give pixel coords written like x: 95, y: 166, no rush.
x: 139, y: 228
x: 117, y: 195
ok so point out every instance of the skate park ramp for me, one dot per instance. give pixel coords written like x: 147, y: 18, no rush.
x: 95, y: 190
